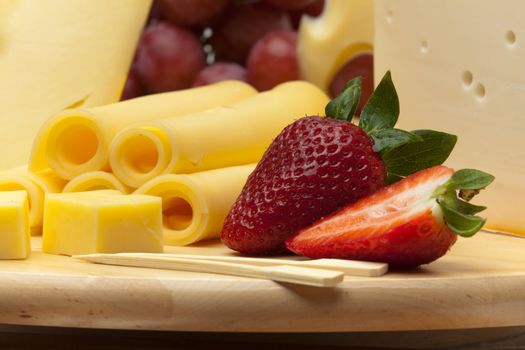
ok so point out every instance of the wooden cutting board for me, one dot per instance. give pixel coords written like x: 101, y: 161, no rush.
x: 480, y: 283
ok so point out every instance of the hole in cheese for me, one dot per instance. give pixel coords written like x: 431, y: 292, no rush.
x: 177, y: 212
x: 140, y: 154
x: 480, y: 91
x: 510, y: 37
x: 424, y: 46
x: 77, y: 144
x: 467, y: 78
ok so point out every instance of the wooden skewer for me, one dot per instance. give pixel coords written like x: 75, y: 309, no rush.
x: 348, y: 267
x: 281, y: 273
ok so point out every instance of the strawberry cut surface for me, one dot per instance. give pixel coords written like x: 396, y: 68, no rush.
x: 401, y: 224
x: 314, y: 166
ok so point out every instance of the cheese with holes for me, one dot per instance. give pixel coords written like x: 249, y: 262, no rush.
x: 76, y: 141
x: 56, y: 54
x: 234, y: 134
x: 101, y: 222
x: 14, y: 225
x: 344, y: 30
x: 195, y: 205
x: 459, y: 68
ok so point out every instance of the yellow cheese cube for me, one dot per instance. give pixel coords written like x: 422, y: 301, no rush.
x: 101, y: 222
x: 14, y: 225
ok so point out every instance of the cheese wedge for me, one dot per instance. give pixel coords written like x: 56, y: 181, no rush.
x: 55, y: 54
x: 37, y: 185
x: 76, y: 140
x: 194, y: 206
x: 102, y: 222
x: 235, y: 134
x: 95, y: 180
x: 14, y: 225
x: 344, y: 30
x: 459, y: 68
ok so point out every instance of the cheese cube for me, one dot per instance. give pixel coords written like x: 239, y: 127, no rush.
x: 14, y: 225
x: 101, y: 222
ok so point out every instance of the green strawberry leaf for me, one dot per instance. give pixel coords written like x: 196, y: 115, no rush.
x: 470, y: 179
x: 382, y: 108
x: 450, y: 199
x: 343, y: 107
x: 387, y: 139
x: 415, y: 156
x: 464, y: 225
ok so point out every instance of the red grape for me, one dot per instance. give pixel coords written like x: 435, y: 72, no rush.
x: 168, y: 57
x: 218, y: 72
x: 192, y: 13
x: 273, y: 60
x: 313, y: 10
x: 133, y: 87
x: 155, y: 13
x: 236, y: 33
x: 361, y: 65
x: 288, y: 5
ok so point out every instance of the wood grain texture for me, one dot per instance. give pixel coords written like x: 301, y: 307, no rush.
x: 480, y: 283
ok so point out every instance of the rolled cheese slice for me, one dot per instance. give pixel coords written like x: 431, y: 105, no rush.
x: 55, y: 54
x: 194, y: 206
x: 226, y: 136
x: 344, y: 30
x: 37, y: 186
x: 94, y: 181
x: 76, y: 141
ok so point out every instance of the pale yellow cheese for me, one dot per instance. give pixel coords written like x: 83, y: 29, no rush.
x: 195, y: 205
x: 76, y: 141
x: 96, y: 180
x: 458, y: 67
x: 55, y: 54
x: 345, y: 29
x: 14, y: 225
x: 37, y: 185
x: 101, y: 222
x: 235, y: 134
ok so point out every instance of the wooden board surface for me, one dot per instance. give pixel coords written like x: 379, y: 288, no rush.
x: 480, y: 283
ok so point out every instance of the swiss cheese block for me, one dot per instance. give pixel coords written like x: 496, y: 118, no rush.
x: 458, y: 67
x: 194, y: 206
x: 101, y: 222
x: 56, y: 54
x: 234, y: 134
x: 14, y: 225
x: 344, y: 30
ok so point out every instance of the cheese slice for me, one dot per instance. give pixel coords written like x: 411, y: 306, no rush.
x: 344, y: 30
x: 458, y: 67
x: 96, y: 180
x: 37, y: 185
x: 231, y: 135
x: 195, y: 205
x: 60, y: 53
x: 76, y: 140
x: 101, y: 222
x: 14, y: 225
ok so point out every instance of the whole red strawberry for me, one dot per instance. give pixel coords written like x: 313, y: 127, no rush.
x: 412, y: 222
x: 317, y: 165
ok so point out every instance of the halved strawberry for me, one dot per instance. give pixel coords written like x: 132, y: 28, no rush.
x: 411, y: 222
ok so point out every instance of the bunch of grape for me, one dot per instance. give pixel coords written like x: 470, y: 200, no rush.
x: 197, y: 42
